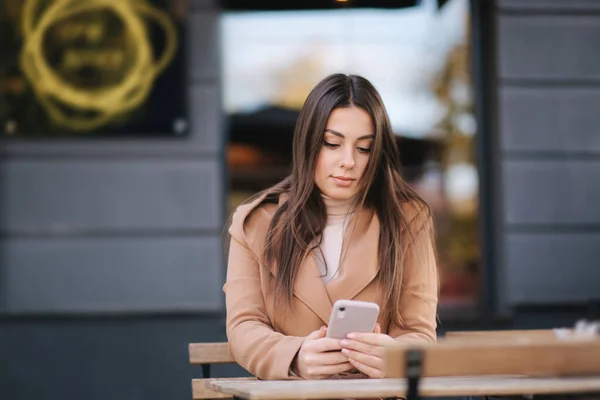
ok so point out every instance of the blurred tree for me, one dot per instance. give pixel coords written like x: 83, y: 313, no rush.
x: 458, y: 244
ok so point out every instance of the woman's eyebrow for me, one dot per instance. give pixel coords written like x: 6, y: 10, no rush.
x: 336, y: 133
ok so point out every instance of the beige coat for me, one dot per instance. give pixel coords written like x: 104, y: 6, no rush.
x: 265, y: 342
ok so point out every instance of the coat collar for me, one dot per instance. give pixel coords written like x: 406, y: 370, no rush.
x: 358, y: 267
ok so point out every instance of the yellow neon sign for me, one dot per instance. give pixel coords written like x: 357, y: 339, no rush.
x: 81, y: 109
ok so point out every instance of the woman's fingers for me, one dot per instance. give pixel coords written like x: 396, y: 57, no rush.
x: 377, y: 328
x: 367, y: 359
x: 326, y: 371
x: 362, y: 347
x: 325, y: 344
x: 331, y: 358
x: 319, y: 359
x: 376, y: 339
x: 319, y: 333
x: 367, y: 369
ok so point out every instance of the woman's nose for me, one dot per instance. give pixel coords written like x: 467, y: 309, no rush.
x: 348, y: 160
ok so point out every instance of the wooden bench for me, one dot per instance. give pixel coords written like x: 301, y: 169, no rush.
x: 532, y: 357
x: 206, y: 354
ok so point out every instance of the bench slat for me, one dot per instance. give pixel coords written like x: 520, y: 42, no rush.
x: 528, y: 357
x: 506, y: 334
x: 210, y: 353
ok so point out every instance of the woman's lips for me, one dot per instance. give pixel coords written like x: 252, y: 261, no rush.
x: 343, y: 181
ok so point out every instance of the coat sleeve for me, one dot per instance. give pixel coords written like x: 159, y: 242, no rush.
x: 253, y: 343
x: 419, y: 290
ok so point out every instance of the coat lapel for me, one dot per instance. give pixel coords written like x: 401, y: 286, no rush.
x: 310, y: 289
x: 358, y: 267
x: 359, y: 264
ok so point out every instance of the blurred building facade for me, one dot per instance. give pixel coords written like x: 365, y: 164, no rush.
x: 111, y: 258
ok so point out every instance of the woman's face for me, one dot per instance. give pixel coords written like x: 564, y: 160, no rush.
x: 344, y: 152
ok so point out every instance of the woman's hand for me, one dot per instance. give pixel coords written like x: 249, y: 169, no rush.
x: 365, y: 351
x: 320, y: 357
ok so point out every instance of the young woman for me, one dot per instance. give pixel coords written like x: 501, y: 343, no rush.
x: 343, y: 225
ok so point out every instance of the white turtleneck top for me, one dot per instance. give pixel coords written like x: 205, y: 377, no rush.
x: 338, y: 217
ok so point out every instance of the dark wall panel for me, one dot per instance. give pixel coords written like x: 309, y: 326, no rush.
x: 206, y: 120
x: 548, y: 76
x: 63, y: 196
x: 542, y: 47
x: 111, y: 275
x: 553, y: 268
x: 550, y: 192
x: 105, y: 359
x: 550, y: 5
x: 204, y: 45
x: 553, y: 119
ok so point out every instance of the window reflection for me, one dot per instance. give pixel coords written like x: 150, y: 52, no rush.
x: 418, y: 58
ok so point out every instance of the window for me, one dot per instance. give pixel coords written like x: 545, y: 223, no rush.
x: 419, y: 60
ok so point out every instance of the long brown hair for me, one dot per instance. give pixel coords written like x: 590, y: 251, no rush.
x: 296, y: 227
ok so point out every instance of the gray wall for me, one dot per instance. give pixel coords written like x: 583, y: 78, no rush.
x: 548, y: 94
x: 110, y: 255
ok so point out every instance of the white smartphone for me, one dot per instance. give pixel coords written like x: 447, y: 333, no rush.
x: 352, y: 316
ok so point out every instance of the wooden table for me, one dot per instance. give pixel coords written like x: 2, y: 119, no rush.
x: 396, y: 387
x: 491, y: 367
